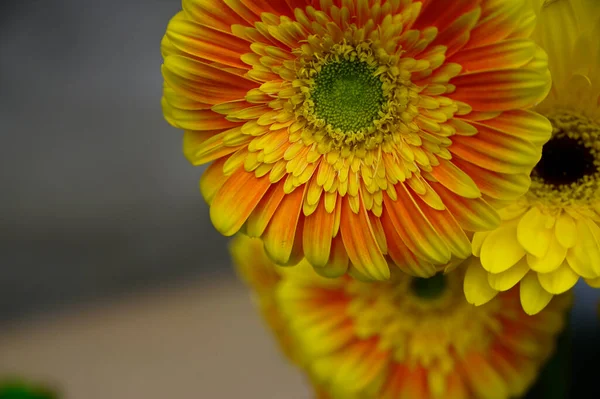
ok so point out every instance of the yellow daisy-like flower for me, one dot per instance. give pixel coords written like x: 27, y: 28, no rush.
x: 550, y: 237
x: 357, y: 133
x: 408, y: 337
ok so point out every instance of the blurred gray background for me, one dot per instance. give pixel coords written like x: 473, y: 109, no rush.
x: 98, y: 206
x: 97, y: 197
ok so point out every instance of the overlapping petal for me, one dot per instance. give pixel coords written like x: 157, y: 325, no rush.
x: 550, y: 237
x: 454, y: 136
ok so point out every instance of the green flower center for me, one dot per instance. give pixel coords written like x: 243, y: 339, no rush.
x: 429, y: 288
x: 347, y: 95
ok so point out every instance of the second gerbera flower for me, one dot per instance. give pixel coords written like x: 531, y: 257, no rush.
x: 550, y: 237
x: 404, y: 338
x: 357, y: 133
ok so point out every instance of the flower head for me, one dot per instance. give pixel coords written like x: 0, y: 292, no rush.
x: 408, y: 337
x: 550, y: 237
x: 357, y: 133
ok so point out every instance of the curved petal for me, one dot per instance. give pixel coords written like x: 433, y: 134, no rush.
x: 476, y: 286
x: 363, y: 250
x: 534, y: 297
x: 236, y: 199
x: 501, y: 90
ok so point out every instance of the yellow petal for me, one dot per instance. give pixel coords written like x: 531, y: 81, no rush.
x: 560, y: 280
x: 508, y: 279
x: 478, y: 239
x: 594, y: 283
x: 566, y: 230
x: 554, y: 257
x: 501, y: 249
x: 533, y: 234
x: 476, y: 287
x: 584, y: 257
x: 558, y: 44
x: 589, y: 234
x: 534, y: 297
x: 580, y: 262
x: 455, y: 180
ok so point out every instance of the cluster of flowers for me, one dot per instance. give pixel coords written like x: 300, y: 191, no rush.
x: 429, y: 169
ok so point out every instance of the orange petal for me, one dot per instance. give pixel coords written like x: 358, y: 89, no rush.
x: 318, y: 232
x: 521, y: 123
x: 338, y: 260
x: 455, y: 179
x: 483, y: 378
x: 206, y: 43
x: 497, y: 24
x: 415, y: 385
x: 471, y: 214
x: 495, y: 185
x: 236, y: 200
x: 260, y: 218
x: 260, y: 6
x: 414, y: 228
x: 501, y: 90
x: 494, y: 150
x: 363, y: 250
x: 212, y: 180
x: 455, y: 36
x: 204, y: 82
x: 449, y: 230
x: 506, y: 54
x: 400, y: 253
x: 281, y: 232
x: 199, y: 150
x: 174, y: 100
x: 214, y: 14
x: 452, y: 9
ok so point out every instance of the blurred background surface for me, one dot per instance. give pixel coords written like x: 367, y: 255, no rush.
x: 113, y: 283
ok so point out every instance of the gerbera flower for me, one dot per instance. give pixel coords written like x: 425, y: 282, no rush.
x: 408, y: 337
x: 260, y: 274
x: 550, y: 237
x: 356, y: 133
x: 257, y: 271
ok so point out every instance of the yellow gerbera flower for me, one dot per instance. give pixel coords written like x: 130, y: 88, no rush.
x: 405, y: 338
x: 550, y: 237
x: 357, y: 132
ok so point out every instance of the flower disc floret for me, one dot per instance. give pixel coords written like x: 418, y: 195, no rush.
x: 347, y: 96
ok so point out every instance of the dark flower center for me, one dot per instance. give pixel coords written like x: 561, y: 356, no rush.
x: 564, y: 161
x: 429, y: 288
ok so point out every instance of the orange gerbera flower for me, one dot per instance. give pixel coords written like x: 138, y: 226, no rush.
x: 404, y: 338
x: 357, y: 133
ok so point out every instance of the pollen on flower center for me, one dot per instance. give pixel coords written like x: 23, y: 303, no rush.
x: 352, y: 99
x: 347, y: 95
x: 569, y: 171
